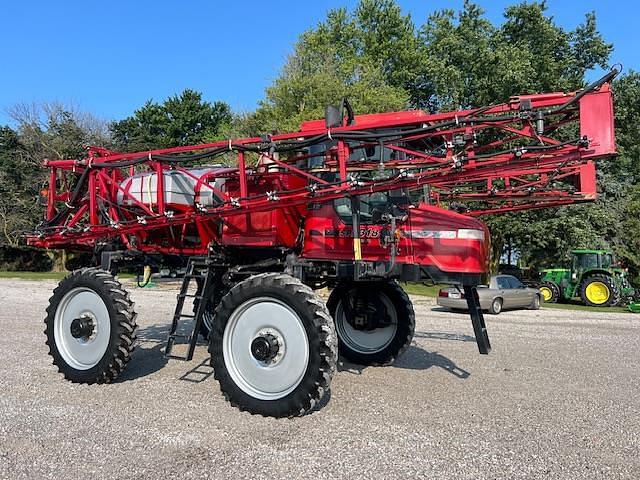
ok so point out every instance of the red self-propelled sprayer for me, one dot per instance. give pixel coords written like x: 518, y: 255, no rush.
x: 352, y: 202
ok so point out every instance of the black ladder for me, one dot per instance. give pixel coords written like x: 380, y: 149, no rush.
x: 197, y: 268
x: 477, y: 319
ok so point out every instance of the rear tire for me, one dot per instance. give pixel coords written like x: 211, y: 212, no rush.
x: 599, y: 291
x: 273, y: 346
x: 213, y: 301
x: 496, y: 306
x: 379, y: 346
x: 90, y: 327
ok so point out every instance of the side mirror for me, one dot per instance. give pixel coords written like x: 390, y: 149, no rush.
x: 333, y: 116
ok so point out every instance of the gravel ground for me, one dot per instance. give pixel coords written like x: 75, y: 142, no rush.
x: 557, y: 398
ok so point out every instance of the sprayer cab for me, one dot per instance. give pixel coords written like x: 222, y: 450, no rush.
x: 410, y: 242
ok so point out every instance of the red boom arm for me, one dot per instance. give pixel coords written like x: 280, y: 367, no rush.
x: 534, y: 151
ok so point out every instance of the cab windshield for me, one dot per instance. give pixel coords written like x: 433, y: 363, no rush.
x: 585, y: 261
x: 380, y: 201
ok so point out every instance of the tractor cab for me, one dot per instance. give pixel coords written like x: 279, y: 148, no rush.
x: 586, y: 260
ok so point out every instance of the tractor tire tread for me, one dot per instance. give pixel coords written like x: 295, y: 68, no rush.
x: 614, y: 297
x: 315, y: 384
x: 399, y: 344
x: 122, y: 316
x: 555, y: 291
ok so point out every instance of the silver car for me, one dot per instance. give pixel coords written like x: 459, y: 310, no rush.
x: 504, y: 291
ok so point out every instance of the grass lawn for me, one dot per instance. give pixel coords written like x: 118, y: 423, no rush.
x: 45, y: 275
x: 34, y: 275
x: 432, y: 291
x: 577, y: 306
x: 421, y: 289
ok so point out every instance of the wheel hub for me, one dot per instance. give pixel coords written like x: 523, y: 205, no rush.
x: 82, y: 327
x: 597, y: 292
x: 251, y: 334
x: 265, y: 348
x: 376, y: 332
x: 366, y: 312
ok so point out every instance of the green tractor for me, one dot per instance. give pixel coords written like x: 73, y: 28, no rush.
x: 594, y: 278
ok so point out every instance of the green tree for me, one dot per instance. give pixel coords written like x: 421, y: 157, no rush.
x: 472, y: 62
x: 48, y: 130
x: 369, y: 56
x: 377, y: 58
x: 18, y: 187
x: 184, y: 119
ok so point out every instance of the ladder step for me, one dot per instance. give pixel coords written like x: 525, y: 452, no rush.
x: 197, y: 268
x: 195, y: 276
x: 189, y: 295
x: 178, y: 357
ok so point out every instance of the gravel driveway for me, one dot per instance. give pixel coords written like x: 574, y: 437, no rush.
x: 557, y: 398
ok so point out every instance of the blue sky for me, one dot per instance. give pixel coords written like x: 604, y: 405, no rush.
x: 109, y: 57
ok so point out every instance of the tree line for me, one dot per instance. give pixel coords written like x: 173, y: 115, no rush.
x: 382, y: 60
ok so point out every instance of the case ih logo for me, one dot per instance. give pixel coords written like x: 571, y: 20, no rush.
x: 365, y: 232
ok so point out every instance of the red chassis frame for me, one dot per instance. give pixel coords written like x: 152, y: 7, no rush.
x: 534, y: 151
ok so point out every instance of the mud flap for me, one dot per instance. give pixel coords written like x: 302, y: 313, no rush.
x: 477, y: 319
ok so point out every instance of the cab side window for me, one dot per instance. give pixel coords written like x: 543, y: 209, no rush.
x: 503, y: 283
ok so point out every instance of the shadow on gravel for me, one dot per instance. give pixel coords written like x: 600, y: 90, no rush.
x: 199, y: 373
x: 457, y: 337
x: 414, y: 358
x: 148, y: 356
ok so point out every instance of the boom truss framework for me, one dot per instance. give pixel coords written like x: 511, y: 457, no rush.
x: 534, y: 151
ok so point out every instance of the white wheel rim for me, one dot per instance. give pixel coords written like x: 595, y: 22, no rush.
x: 82, y: 353
x: 367, y: 341
x: 274, y: 379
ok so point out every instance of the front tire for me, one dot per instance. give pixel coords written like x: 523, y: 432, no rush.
x: 90, y: 326
x: 273, y: 346
x: 361, y: 342
x: 550, y: 292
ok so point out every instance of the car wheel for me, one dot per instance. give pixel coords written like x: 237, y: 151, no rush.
x: 496, y: 306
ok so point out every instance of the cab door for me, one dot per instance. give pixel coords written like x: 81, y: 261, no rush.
x: 329, y: 231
